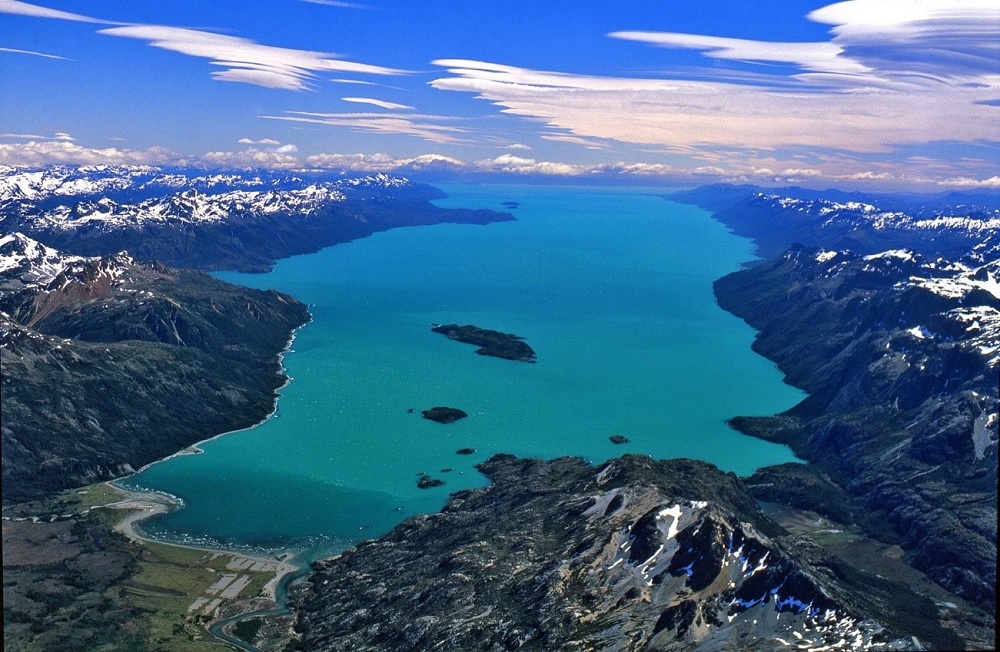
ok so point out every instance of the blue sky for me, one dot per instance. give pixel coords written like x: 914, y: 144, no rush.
x: 863, y: 93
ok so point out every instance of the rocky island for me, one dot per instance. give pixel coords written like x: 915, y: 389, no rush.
x: 444, y: 414
x: 492, y: 343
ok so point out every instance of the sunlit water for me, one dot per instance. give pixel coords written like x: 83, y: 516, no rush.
x: 613, y: 290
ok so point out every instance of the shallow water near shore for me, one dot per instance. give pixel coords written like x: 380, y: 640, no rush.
x: 613, y: 290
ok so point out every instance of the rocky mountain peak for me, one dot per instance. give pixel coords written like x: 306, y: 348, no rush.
x: 633, y: 555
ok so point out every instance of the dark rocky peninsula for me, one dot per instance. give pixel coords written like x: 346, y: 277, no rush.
x: 492, y: 343
x: 444, y: 414
x: 632, y: 555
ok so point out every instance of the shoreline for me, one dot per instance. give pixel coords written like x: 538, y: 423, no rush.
x: 147, y: 504
x: 196, y: 448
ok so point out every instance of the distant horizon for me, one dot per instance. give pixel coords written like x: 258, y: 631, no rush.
x: 605, y: 180
x: 869, y: 95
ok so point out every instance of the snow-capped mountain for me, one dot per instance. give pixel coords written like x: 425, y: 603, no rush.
x: 900, y: 353
x: 980, y: 226
x: 950, y: 303
x: 243, y: 220
x: 25, y: 262
x: 65, y: 183
x: 963, y: 227
x: 632, y: 555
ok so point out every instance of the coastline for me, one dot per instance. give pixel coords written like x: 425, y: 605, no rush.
x: 196, y: 448
x: 147, y: 504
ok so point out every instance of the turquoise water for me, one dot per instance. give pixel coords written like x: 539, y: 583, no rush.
x: 613, y: 290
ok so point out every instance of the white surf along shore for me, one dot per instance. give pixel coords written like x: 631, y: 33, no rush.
x: 147, y: 503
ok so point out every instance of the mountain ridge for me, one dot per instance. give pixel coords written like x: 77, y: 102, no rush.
x: 111, y: 363
x: 217, y: 221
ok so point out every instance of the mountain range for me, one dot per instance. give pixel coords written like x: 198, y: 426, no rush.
x: 211, y: 221
x: 885, y: 309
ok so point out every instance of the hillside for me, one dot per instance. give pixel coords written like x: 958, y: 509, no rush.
x: 111, y: 363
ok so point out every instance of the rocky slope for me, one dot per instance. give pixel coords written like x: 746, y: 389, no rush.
x: 901, y: 356
x: 954, y: 225
x: 110, y: 363
x: 244, y: 220
x: 633, y: 555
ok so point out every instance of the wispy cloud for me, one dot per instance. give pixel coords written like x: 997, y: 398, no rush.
x: 244, y: 60
x: 353, y: 81
x: 427, y: 127
x: 240, y: 59
x: 380, y: 103
x: 59, y: 135
x: 262, y: 141
x: 819, y: 57
x: 26, y: 9
x: 576, y: 140
x: 338, y: 3
x: 35, y: 54
x: 892, y: 74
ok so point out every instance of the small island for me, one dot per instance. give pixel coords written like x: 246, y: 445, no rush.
x: 444, y: 414
x: 427, y: 482
x: 465, y: 451
x: 492, y: 343
x: 619, y: 439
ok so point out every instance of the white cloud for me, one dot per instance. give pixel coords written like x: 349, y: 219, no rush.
x: 33, y: 53
x: 380, y: 103
x: 252, y: 158
x: 516, y: 164
x: 885, y: 79
x: 262, y: 141
x: 516, y: 146
x: 576, y: 140
x: 381, y: 162
x: 868, y: 175
x: 244, y: 60
x: 338, y: 3
x: 38, y: 153
x: 965, y: 182
x: 802, y: 172
x: 62, y: 135
x: 26, y: 9
x: 819, y: 56
x: 426, y: 127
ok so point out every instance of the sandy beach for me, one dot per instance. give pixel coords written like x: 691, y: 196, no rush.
x: 143, y: 505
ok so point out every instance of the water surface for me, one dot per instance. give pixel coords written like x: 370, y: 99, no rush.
x: 613, y: 290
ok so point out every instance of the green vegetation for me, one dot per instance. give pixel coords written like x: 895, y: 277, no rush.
x: 247, y: 630
x: 75, y: 584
